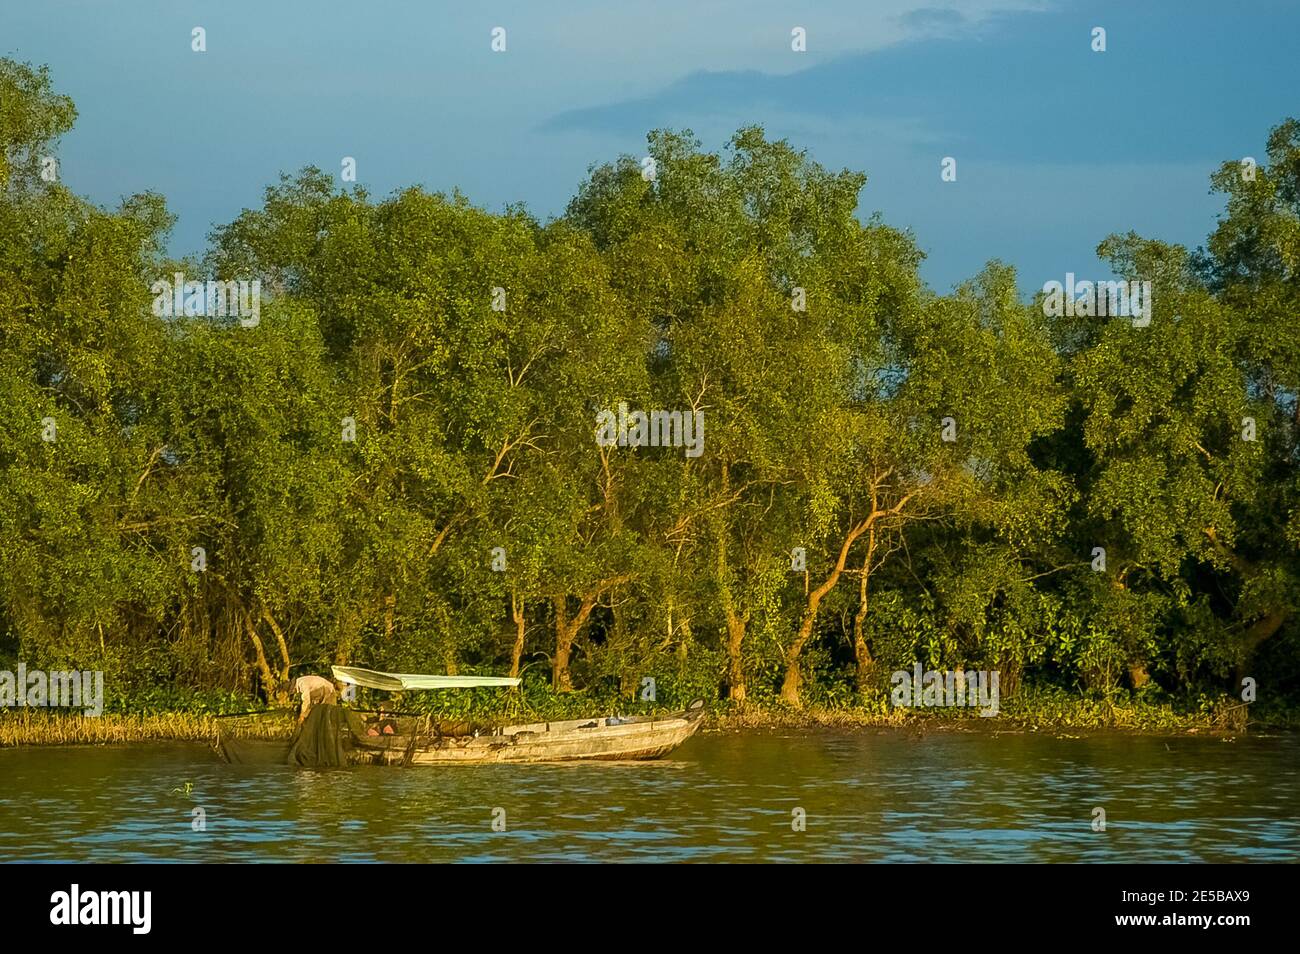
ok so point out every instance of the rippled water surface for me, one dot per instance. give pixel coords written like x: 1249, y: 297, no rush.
x: 867, y: 797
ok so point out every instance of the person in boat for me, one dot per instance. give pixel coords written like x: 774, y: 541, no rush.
x: 315, y: 691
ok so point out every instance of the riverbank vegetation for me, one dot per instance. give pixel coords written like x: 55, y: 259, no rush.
x: 396, y: 464
x: 1033, y: 710
x: 38, y: 727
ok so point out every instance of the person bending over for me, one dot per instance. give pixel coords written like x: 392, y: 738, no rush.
x: 315, y: 691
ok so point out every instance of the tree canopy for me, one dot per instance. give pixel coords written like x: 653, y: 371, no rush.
x: 825, y: 470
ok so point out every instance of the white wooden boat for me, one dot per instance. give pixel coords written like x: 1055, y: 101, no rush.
x: 336, y: 736
x: 633, y: 737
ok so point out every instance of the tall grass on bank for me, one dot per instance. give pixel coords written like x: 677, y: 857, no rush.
x: 35, y: 727
x: 1031, y: 710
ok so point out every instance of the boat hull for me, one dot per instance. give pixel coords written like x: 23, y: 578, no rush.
x: 574, y: 741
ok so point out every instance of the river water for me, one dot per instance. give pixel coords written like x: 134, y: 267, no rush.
x: 859, y: 796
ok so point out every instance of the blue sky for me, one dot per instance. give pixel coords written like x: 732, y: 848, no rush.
x: 1056, y: 145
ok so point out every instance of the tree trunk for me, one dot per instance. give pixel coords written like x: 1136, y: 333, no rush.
x: 861, y: 652
x: 275, y: 691
x: 517, y: 650
x: 736, y: 622
x: 280, y: 641
x: 735, y: 658
x: 790, y: 685
x: 566, y: 629
x: 564, y: 633
x: 1263, y: 629
x: 1255, y: 637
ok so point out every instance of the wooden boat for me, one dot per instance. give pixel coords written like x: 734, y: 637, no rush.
x: 338, y: 736
x: 631, y: 738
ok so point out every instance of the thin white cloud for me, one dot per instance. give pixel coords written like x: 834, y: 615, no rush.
x: 648, y: 44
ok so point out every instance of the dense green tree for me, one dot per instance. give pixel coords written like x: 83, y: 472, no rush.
x: 405, y: 462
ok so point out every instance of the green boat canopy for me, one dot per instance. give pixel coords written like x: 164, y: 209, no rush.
x: 397, y: 681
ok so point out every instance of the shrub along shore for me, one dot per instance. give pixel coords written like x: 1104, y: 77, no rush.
x: 1042, y: 711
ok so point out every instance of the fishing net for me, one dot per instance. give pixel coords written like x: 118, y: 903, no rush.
x: 324, y: 740
x: 254, y: 751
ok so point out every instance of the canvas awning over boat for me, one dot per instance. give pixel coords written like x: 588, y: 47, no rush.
x: 398, y: 681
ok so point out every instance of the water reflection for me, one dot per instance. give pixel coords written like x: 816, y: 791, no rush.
x: 884, y: 796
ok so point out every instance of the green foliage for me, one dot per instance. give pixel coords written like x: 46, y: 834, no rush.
x: 422, y: 389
